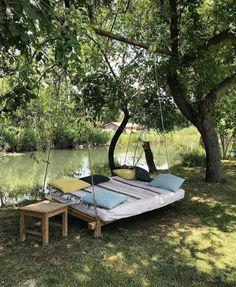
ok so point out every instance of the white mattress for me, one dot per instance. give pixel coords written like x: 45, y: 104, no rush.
x: 141, y: 198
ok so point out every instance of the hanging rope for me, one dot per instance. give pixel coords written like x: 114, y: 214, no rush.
x: 127, y: 149
x: 50, y: 139
x: 54, y: 120
x: 46, y: 168
x: 161, y: 114
x: 136, y: 148
x: 139, y: 157
x: 91, y: 173
x: 90, y: 162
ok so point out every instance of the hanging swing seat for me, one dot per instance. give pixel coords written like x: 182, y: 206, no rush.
x: 140, y: 197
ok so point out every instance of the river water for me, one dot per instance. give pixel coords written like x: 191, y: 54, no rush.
x: 21, y: 173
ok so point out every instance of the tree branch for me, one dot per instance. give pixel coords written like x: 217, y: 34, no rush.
x: 225, y: 35
x: 127, y: 6
x: 209, y: 100
x: 67, y: 3
x: 130, y: 41
x: 104, y: 55
x: 121, y: 93
x: 180, y: 100
x: 120, y: 38
x: 222, y: 87
x: 172, y: 76
x: 112, y: 27
x: 174, y: 29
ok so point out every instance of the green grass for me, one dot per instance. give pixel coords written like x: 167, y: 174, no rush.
x: 190, y: 243
x: 188, y: 135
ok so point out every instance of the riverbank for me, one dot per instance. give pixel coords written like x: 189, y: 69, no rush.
x: 22, y: 177
x: 190, y: 243
x: 13, y: 154
x: 15, y: 146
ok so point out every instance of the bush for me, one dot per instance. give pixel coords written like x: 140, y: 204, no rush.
x: 14, y: 139
x: 27, y: 140
x: 97, y: 137
x: 63, y: 139
x: 196, y: 157
x: 10, y: 139
x: 18, y: 139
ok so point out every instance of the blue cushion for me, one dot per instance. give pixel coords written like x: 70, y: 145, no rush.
x: 167, y: 181
x: 105, y: 198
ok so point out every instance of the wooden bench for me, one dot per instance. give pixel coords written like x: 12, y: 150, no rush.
x: 43, y: 210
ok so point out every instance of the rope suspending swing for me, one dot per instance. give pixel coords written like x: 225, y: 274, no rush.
x: 158, y: 93
x: 53, y: 125
x: 97, y: 230
x: 56, y: 112
x: 96, y: 217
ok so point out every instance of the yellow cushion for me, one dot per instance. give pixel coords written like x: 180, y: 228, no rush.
x: 125, y: 173
x: 69, y: 184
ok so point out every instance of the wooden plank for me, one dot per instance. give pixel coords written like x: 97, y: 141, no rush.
x: 39, y: 214
x: 43, y: 207
x: 43, y: 211
x: 56, y: 212
x: 92, y: 225
x: 22, y: 226
x: 98, y: 229
x: 45, y: 230
x: 32, y: 232
x: 32, y: 214
x: 65, y: 223
x: 81, y: 215
x: 85, y: 217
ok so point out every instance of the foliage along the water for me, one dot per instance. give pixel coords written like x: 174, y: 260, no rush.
x: 46, y: 38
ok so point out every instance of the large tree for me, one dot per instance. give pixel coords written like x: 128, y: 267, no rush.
x: 195, y: 41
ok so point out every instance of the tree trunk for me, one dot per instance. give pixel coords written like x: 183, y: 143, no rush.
x: 149, y: 157
x: 212, y: 148
x: 115, y: 139
x: 205, y: 127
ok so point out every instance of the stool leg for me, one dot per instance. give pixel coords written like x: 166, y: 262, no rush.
x: 65, y: 223
x: 22, y: 226
x: 98, y: 229
x: 45, y: 230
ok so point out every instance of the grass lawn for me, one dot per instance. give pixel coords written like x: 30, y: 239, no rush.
x: 190, y: 243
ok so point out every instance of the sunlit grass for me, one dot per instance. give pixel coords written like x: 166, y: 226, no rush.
x: 190, y: 243
x: 188, y: 135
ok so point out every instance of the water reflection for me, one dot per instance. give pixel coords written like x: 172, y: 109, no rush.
x: 28, y: 170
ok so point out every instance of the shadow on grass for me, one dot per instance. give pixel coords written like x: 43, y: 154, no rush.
x: 168, y: 247
x: 190, y: 243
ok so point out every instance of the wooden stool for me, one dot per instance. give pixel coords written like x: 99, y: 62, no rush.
x: 42, y: 210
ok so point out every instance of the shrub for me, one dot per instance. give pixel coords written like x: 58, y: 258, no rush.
x: 18, y: 139
x: 27, y: 139
x: 97, y: 137
x: 10, y: 139
x: 196, y: 157
x: 63, y: 139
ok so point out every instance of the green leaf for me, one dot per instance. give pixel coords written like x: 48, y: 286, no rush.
x: 2, y: 119
x: 25, y: 38
x: 14, y: 29
x: 31, y: 12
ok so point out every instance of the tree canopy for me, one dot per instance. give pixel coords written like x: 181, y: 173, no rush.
x: 109, y: 50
